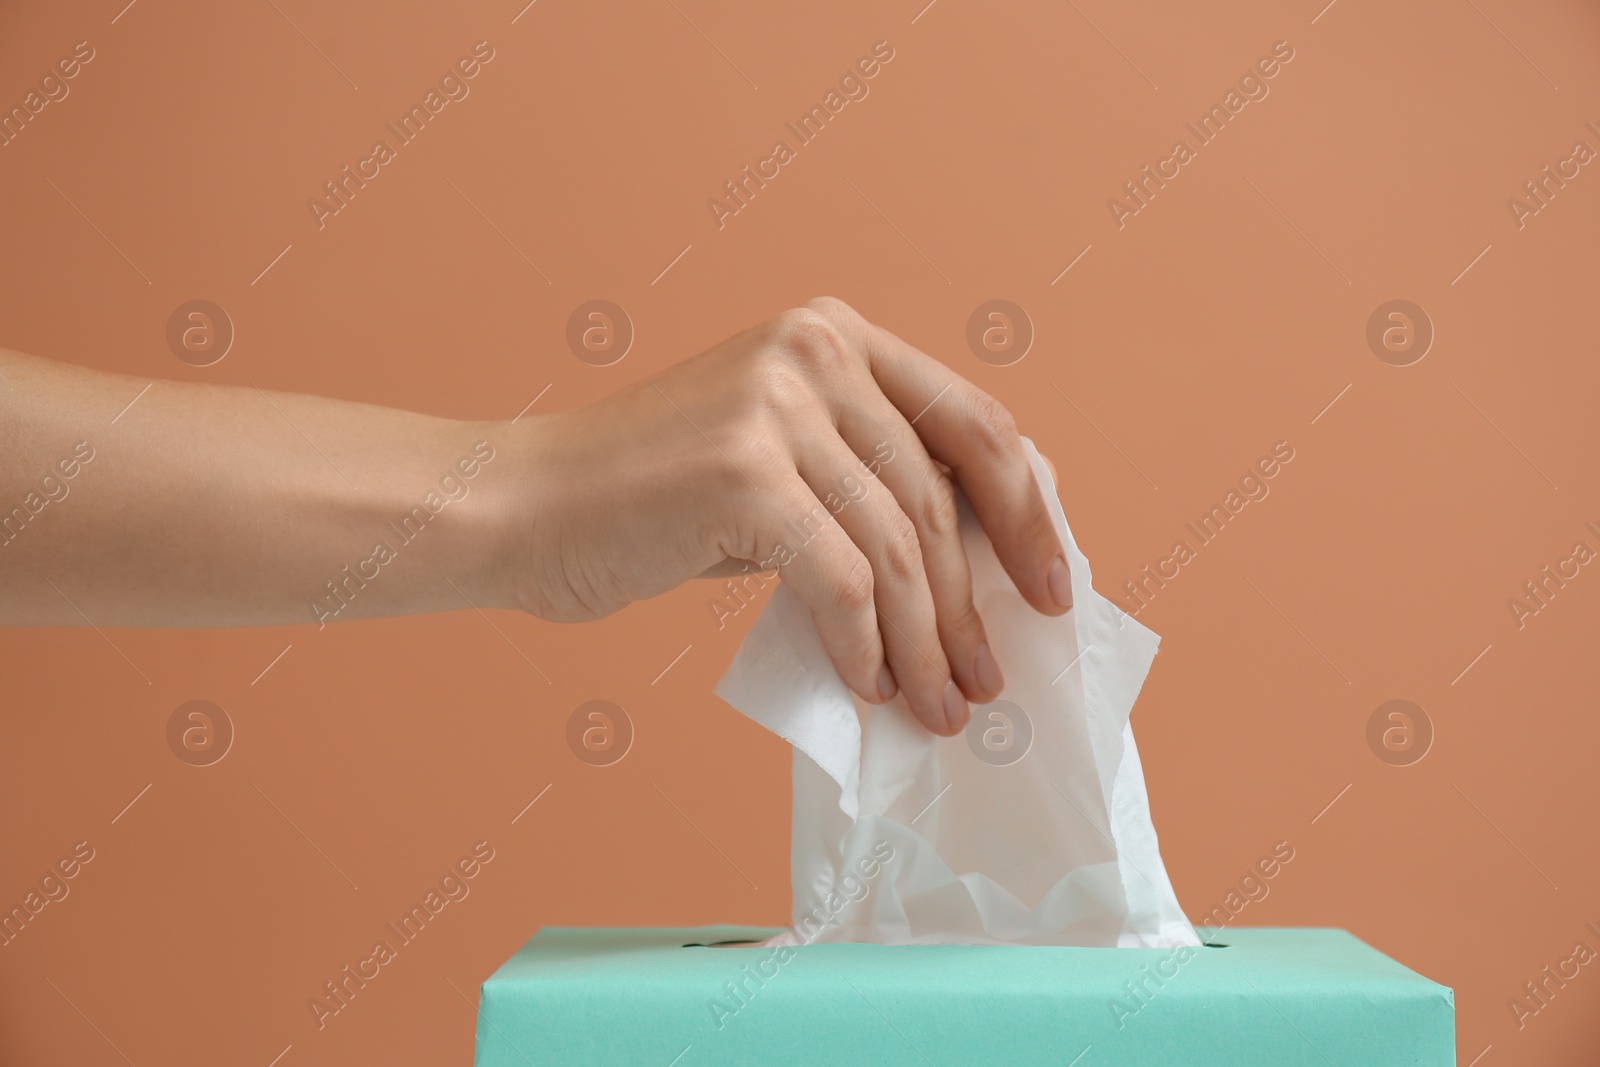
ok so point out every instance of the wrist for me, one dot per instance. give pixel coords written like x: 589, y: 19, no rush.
x: 520, y: 484
x: 539, y: 504
x: 483, y: 557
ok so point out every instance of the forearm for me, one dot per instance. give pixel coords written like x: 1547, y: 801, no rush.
x: 206, y: 505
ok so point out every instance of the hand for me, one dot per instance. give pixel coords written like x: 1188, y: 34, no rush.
x: 761, y: 453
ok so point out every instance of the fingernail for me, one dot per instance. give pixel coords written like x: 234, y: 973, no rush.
x: 955, y: 706
x: 1060, y: 583
x: 987, y: 671
x: 886, y: 687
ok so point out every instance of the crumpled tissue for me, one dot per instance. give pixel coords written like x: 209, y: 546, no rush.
x: 1032, y: 827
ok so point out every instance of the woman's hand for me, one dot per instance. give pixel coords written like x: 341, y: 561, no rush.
x: 817, y: 444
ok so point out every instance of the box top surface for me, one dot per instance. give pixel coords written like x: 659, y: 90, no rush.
x: 1283, y: 956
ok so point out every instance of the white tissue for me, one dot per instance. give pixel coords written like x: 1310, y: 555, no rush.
x: 904, y: 837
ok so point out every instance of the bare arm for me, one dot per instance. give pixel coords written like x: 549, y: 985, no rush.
x: 207, y: 505
x: 816, y: 445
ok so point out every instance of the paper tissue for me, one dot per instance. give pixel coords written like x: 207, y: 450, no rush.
x: 1032, y: 828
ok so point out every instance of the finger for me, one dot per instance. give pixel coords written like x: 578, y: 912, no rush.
x: 819, y: 562
x: 886, y: 537
x: 973, y: 434
x: 890, y: 450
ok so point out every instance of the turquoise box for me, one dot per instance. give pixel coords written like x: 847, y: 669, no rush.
x: 687, y: 998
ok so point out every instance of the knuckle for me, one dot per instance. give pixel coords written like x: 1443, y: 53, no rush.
x: 854, y: 590
x: 807, y: 337
x: 1030, y: 525
x: 993, y: 426
x: 1037, y: 529
x: 833, y: 309
x: 784, y: 391
x: 938, y: 515
x: 964, y: 618
x: 902, y: 552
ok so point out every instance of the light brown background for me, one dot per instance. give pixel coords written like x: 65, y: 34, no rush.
x: 1195, y: 338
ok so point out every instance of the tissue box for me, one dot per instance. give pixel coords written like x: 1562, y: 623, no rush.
x: 665, y: 998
